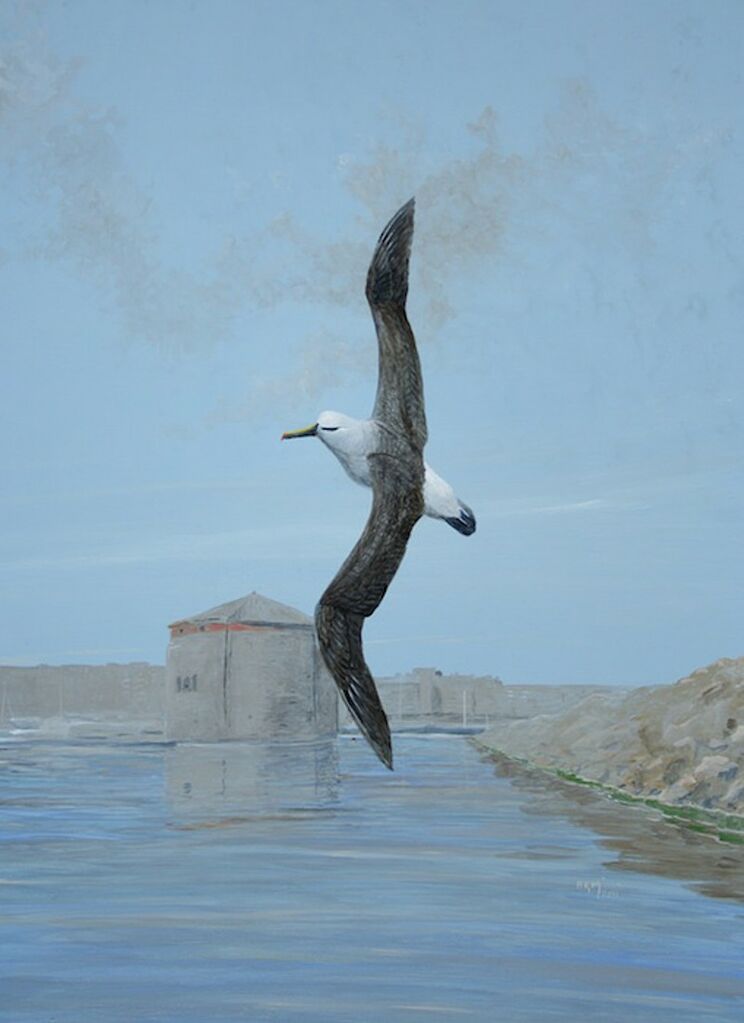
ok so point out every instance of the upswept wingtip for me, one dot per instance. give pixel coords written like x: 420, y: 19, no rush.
x: 387, y: 279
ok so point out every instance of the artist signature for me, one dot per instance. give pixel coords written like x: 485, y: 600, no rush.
x: 599, y: 889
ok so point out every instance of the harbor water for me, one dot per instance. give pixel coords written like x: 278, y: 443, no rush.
x: 240, y: 882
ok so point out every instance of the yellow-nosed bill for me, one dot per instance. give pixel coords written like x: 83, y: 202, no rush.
x: 308, y: 431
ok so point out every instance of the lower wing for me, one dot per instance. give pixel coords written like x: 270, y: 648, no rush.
x: 359, y: 586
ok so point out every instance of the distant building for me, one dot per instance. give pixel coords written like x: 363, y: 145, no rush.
x: 83, y: 700
x: 248, y: 669
x: 428, y: 696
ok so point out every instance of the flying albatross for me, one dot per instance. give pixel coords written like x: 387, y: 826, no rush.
x: 386, y: 454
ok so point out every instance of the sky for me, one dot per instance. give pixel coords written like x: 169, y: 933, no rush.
x: 191, y: 195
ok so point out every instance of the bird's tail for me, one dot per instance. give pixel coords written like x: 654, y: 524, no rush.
x: 464, y: 521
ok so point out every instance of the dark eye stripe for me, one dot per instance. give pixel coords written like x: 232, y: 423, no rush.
x: 329, y: 428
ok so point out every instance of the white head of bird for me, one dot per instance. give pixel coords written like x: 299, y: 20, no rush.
x: 350, y: 440
x: 327, y: 423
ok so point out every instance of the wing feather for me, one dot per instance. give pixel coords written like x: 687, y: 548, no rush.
x: 359, y: 586
x: 399, y: 403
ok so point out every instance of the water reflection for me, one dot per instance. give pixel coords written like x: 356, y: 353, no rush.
x: 641, y: 837
x: 219, y: 783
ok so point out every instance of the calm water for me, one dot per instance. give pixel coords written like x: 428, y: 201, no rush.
x: 218, y: 883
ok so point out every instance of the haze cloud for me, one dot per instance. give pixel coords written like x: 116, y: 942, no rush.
x: 103, y: 224
x: 589, y: 186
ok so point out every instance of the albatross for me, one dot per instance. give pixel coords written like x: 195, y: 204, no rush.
x: 385, y: 453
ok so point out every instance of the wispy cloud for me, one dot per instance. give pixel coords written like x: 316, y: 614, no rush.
x: 68, y: 157
x: 625, y: 493
x: 84, y: 494
x: 300, y: 541
x: 485, y: 206
x: 520, y: 507
x: 320, y: 361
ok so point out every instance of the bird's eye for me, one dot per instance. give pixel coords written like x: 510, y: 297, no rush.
x: 329, y: 428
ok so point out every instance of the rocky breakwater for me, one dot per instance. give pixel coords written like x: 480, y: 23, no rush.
x: 680, y: 744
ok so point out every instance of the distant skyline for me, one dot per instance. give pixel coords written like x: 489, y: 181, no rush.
x: 192, y: 195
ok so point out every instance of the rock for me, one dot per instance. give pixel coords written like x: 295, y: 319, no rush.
x: 714, y: 767
x: 680, y: 743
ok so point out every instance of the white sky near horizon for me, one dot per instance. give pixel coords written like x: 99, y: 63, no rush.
x: 191, y: 193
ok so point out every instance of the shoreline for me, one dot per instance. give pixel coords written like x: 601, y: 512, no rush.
x: 718, y: 824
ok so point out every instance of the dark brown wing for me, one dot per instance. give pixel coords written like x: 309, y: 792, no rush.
x: 399, y: 403
x: 361, y: 583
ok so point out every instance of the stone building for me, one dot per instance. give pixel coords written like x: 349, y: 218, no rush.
x: 248, y: 669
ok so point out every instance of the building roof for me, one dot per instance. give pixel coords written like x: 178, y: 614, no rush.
x: 253, y: 609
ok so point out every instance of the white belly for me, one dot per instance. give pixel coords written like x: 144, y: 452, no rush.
x: 355, y: 466
x: 439, y: 498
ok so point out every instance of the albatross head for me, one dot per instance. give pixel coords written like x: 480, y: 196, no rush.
x: 331, y: 428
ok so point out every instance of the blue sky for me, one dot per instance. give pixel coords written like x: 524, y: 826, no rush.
x: 192, y: 193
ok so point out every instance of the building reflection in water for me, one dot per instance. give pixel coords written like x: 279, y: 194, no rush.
x: 218, y: 783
